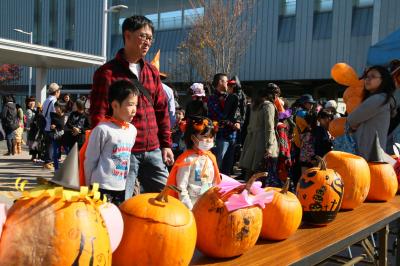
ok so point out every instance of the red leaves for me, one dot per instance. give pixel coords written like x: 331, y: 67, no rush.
x: 9, y: 72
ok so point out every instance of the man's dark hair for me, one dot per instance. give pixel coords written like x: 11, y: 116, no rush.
x: 134, y: 23
x: 119, y: 91
x: 217, y: 78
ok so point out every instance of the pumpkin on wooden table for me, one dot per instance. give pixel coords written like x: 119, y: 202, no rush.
x: 56, y: 223
x: 158, y: 230
x: 355, y: 174
x: 223, y: 233
x: 384, y: 183
x: 320, y: 192
x: 282, y: 216
x: 55, y: 226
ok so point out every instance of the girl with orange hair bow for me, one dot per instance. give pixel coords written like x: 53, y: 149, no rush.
x: 195, y: 170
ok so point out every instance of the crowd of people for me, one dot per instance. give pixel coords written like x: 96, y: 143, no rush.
x: 139, y: 130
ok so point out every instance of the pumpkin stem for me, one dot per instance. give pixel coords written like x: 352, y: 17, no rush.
x: 321, y: 162
x: 285, y: 187
x: 163, y: 196
x: 252, y: 179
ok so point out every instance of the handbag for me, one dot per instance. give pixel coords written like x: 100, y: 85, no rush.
x: 346, y: 142
x: 56, y: 134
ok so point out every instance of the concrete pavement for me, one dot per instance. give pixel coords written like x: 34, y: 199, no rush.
x: 13, y: 167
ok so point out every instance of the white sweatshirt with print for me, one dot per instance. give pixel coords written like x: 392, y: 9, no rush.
x: 108, y: 155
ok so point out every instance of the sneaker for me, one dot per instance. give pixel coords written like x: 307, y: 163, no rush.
x: 48, y: 166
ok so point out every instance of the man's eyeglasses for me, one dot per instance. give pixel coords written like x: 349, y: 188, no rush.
x: 145, y: 37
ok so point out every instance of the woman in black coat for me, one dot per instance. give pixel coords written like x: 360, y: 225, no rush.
x: 9, y: 121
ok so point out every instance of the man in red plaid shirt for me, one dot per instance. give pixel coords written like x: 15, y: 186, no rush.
x: 148, y: 161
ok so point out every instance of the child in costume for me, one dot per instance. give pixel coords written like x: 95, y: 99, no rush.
x: 107, y: 156
x: 196, y: 170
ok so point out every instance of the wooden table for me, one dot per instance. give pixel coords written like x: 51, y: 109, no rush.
x: 311, y: 245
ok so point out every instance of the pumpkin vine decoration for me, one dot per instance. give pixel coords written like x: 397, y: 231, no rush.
x: 320, y: 192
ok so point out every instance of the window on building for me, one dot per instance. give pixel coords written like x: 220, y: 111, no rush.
x: 323, y: 5
x: 53, y: 24
x: 288, y: 8
x: 70, y: 25
x: 287, y: 21
x: 37, y: 16
x: 362, y: 18
x: 154, y: 19
x: 322, y: 23
x: 191, y: 15
x: 171, y: 20
x: 363, y: 3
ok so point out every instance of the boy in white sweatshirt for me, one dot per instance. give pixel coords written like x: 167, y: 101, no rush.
x: 110, y: 143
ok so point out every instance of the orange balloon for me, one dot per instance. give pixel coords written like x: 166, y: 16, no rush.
x: 344, y: 74
x: 352, y: 104
x: 336, y: 126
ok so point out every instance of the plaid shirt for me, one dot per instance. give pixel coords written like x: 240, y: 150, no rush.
x: 151, y: 122
x: 215, y: 106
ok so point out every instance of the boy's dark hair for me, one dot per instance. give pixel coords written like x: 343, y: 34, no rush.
x: 61, y: 106
x: 80, y: 105
x: 325, y: 114
x: 198, y: 125
x: 134, y: 23
x: 217, y: 78
x: 311, y: 119
x: 119, y: 91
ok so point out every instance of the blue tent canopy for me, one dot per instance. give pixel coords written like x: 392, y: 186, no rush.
x: 385, y: 50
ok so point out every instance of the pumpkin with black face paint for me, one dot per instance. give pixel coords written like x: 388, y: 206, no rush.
x: 320, y: 192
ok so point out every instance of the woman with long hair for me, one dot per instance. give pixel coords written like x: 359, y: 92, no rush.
x: 260, y: 150
x: 373, y: 114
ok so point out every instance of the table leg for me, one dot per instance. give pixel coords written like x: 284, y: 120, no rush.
x: 398, y: 243
x: 383, y: 245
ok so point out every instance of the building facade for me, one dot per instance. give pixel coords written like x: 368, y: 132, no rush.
x: 296, y: 42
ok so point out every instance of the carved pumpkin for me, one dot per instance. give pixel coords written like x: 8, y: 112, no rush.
x: 320, y: 192
x: 383, y: 182
x: 55, y: 226
x: 355, y: 174
x: 282, y: 216
x: 159, y: 230
x: 336, y: 126
x: 224, y: 234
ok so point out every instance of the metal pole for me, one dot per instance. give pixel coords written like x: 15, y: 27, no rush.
x: 30, y: 70
x: 104, y: 52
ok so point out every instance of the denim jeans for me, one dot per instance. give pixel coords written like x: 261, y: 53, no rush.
x: 10, y: 137
x: 150, y: 169
x: 225, y: 152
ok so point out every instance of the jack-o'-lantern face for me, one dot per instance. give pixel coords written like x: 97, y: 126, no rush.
x: 320, y: 192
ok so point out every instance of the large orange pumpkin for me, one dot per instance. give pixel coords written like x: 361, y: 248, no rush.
x: 282, y: 216
x: 54, y: 226
x: 320, y: 191
x: 224, y: 234
x: 158, y: 230
x: 383, y: 182
x: 355, y: 174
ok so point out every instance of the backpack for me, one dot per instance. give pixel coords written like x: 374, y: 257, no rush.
x: 10, y: 120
